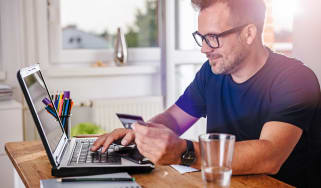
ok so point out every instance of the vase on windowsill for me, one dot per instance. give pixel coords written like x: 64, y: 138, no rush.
x: 120, y: 51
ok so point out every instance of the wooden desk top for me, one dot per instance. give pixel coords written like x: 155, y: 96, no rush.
x: 32, y: 164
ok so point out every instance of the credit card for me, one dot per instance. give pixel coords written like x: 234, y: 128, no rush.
x: 127, y: 120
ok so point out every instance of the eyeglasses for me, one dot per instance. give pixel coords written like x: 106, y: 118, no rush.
x: 212, y: 39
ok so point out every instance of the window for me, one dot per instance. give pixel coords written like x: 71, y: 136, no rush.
x: 79, y: 30
x: 283, y: 20
x: 278, y: 27
x: 277, y: 35
x: 85, y: 31
x: 279, y: 24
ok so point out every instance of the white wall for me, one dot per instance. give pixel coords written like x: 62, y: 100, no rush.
x: 12, y: 44
x: 83, y: 88
x: 307, y: 35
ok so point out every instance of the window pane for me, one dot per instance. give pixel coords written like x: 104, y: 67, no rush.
x: 92, y: 24
x: 186, y: 24
x: 283, y: 20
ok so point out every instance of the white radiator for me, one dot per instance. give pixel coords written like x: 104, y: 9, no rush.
x: 104, y: 110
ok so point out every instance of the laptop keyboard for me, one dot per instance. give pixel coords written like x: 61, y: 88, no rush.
x: 83, y: 155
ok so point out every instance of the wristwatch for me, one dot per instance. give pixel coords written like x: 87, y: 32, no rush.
x: 188, y: 157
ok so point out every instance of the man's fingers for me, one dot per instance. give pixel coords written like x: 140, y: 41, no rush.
x: 148, y: 124
x: 99, y: 142
x: 108, y: 141
x: 143, y: 130
x: 116, y: 134
x: 144, y: 150
x: 148, y: 131
x: 128, y: 138
x: 157, y: 125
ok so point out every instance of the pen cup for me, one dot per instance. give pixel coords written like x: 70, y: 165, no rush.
x: 66, y: 124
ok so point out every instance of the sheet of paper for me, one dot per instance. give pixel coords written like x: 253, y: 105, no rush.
x: 184, y: 169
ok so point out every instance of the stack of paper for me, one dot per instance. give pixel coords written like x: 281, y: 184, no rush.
x: 5, y: 92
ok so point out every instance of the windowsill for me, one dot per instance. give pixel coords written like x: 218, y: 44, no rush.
x: 2, y: 75
x: 124, y: 70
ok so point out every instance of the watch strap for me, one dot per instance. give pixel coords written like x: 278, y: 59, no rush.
x: 188, y: 157
x: 189, y: 146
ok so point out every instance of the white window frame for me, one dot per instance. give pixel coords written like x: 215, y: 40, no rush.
x: 85, y: 56
x: 171, y: 56
x: 2, y: 73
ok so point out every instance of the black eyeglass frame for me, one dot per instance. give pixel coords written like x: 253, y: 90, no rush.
x: 217, y: 36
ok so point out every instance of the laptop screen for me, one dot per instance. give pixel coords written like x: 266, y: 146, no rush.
x: 50, y: 125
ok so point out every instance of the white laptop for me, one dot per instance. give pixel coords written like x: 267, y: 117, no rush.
x: 71, y: 157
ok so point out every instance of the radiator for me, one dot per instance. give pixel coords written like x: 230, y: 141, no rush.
x: 104, y: 110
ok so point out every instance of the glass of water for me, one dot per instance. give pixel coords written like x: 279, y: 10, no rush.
x: 217, y: 154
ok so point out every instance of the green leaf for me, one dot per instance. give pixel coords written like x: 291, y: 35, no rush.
x: 86, y: 128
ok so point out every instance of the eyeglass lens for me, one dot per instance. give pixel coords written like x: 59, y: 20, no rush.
x: 210, y: 40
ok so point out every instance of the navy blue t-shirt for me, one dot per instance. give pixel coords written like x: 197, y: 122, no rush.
x: 282, y: 90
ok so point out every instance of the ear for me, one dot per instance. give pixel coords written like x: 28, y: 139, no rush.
x: 249, y: 34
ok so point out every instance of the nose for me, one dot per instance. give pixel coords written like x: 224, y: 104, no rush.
x: 206, y: 48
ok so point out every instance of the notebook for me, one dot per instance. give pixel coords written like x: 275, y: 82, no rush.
x: 70, y: 157
x: 52, y: 183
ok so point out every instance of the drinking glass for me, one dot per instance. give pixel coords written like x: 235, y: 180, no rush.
x: 217, y: 154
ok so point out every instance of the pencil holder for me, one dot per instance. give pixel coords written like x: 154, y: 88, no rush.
x: 66, y: 124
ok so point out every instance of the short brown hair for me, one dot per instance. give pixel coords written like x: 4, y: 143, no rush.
x: 243, y: 11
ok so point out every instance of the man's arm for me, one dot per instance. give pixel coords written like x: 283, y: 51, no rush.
x: 175, y: 119
x: 265, y: 155
x: 262, y: 156
x: 159, y: 141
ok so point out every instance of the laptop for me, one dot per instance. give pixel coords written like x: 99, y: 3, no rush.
x: 72, y: 157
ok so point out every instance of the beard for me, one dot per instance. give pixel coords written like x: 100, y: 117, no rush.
x: 228, y: 64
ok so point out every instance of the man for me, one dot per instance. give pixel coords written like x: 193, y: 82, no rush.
x: 268, y: 101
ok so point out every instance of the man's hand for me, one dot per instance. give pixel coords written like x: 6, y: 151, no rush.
x: 159, y: 143
x: 105, y: 140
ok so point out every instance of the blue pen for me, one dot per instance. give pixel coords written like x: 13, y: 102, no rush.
x: 66, y: 110
x: 51, y: 112
x: 62, y: 115
x: 56, y: 101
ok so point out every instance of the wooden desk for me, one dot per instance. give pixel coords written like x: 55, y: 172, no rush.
x: 32, y: 164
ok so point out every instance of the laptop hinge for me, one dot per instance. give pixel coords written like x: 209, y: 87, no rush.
x: 61, y: 154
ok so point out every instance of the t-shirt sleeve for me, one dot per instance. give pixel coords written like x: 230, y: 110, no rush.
x: 295, y: 96
x: 193, y: 101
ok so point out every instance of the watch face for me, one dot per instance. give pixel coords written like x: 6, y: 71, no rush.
x: 188, y: 158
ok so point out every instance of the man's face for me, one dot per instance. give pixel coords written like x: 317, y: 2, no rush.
x: 227, y: 58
